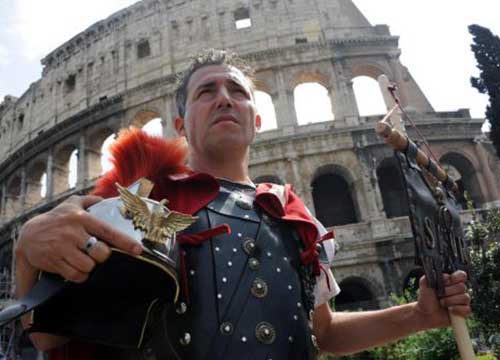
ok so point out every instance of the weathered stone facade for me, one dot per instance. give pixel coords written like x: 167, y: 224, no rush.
x: 121, y: 71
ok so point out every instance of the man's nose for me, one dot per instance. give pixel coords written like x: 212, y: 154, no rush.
x: 224, y: 98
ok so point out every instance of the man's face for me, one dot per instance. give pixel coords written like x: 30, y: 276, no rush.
x: 220, y: 111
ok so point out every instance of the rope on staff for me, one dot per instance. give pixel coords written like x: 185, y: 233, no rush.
x: 399, y: 141
x: 392, y: 90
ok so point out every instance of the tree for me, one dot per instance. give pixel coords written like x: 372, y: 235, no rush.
x: 486, y: 48
x: 484, y: 237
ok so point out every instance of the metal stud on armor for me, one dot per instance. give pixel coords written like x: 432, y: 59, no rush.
x: 226, y: 328
x: 259, y: 288
x: 249, y: 246
x: 265, y: 333
x: 186, y: 339
x: 253, y: 263
x: 181, y: 308
x: 244, y: 203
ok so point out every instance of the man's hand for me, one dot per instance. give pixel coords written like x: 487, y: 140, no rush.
x: 53, y: 241
x: 349, y: 332
x: 434, y: 311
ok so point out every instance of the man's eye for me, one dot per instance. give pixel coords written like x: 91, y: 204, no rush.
x: 204, y: 92
x: 240, y: 91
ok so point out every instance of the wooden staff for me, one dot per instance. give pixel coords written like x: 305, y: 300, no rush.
x: 398, y: 141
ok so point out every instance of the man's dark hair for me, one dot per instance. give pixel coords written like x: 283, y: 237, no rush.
x: 206, y: 58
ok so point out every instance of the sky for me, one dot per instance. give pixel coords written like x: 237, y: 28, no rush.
x: 433, y: 37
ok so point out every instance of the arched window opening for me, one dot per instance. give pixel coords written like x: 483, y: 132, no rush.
x: 265, y: 108
x: 354, y: 295
x: 332, y: 200
x: 149, y: 121
x: 97, y: 156
x: 14, y: 188
x: 154, y: 127
x: 73, y: 169
x: 390, y: 182
x: 36, y: 182
x: 106, y: 163
x: 368, y: 96
x: 65, y: 169
x: 13, y: 197
x: 43, y: 185
x: 273, y: 179
x: 463, y: 172
x: 312, y: 103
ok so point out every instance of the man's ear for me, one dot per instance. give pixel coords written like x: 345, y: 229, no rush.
x: 258, y: 121
x: 179, y: 126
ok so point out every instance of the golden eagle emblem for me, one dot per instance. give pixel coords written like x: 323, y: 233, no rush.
x: 158, y: 225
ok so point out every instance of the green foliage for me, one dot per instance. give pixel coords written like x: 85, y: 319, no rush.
x: 436, y: 344
x: 485, y: 261
x: 439, y: 344
x: 486, y: 48
x: 485, y: 357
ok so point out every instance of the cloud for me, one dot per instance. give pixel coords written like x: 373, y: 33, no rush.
x: 44, y: 25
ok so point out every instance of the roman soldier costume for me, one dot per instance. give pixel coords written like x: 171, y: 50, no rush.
x: 247, y: 267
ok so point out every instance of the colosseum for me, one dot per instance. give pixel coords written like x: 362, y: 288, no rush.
x: 121, y: 71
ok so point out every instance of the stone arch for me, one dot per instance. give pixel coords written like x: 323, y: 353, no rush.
x: 314, y: 76
x: 266, y: 109
x: 261, y: 83
x: 142, y: 117
x: 60, y: 170
x: 332, y: 192
x: 95, y: 143
x: 468, y: 180
x: 312, y: 108
x: 13, y: 204
x: 370, y: 69
x: 356, y: 293
x: 392, y: 188
x: 97, y: 136
x: 274, y: 179
x: 34, y: 174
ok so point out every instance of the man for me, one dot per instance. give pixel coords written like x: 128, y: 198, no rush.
x: 265, y: 312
